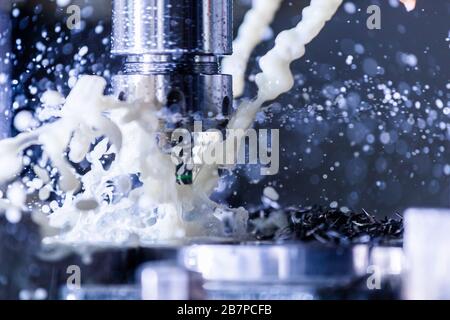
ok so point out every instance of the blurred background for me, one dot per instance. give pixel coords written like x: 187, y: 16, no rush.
x: 366, y: 127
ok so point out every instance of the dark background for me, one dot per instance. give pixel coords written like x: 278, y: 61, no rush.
x: 381, y: 178
x: 357, y: 150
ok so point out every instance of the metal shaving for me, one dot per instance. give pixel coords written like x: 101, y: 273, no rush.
x: 338, y: 226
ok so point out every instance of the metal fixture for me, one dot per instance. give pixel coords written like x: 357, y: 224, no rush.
x: 293, y: 271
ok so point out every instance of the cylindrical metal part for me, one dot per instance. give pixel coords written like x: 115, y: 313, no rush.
x: 197, y: 96
x: 172, y: 49
x: 5, y: 69
x: 426, y: 252
x: 200, y: 27
x: 268, y: 272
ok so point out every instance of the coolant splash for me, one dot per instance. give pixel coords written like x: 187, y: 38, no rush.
x: 276, y: 77
x: 103, y: 205
x: 134, y: 197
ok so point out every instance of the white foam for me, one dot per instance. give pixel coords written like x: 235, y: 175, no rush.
x: 108, y: 210
x: 250, y: 34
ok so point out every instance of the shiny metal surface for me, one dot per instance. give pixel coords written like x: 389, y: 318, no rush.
x: 307, y: 264
x: 169, y: 64
x: 172, y: 50
x: 172, y: 26
x: 165, y: 280
x: 295, y: 271
x: 389, y: 261
x: 269, y: 271
x: 200, y: 95
x: 427, y: 241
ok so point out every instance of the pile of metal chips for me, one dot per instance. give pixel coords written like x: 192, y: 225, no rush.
x: 326, y: 225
